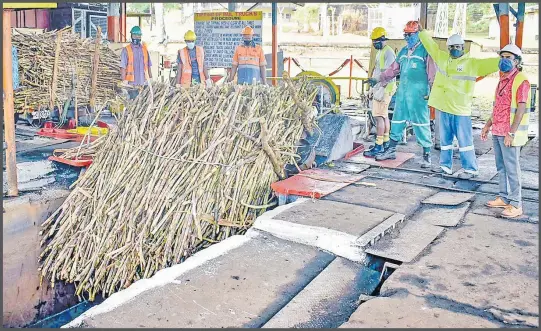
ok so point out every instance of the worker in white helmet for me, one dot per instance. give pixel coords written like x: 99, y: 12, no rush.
x: 509, y: 123
x: 452, y: 95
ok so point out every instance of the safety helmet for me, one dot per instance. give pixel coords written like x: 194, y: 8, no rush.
x: 247, y: 30
x: 411, y: 27
x: 378, y: 33
x: 136, y: 30
x: 511, y: 48
x: 455, y: 39
x: 190, y: 35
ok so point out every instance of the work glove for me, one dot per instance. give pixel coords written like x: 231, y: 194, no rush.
x: 372, y: 81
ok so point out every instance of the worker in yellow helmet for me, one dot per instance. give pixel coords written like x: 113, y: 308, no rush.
x: 452, y: 95
x: 250, y: 61
x: 192, y: 69
x: 380, y: 104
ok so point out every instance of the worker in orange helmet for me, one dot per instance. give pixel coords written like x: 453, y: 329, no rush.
x: 249, y: 60
x: 191, y: 63
x: 417, y: 71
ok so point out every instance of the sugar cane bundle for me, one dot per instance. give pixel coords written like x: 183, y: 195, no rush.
x: 40, y: 55
x: 185, y: 169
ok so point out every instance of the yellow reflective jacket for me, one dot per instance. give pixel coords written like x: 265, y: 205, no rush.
x: 452, y: 91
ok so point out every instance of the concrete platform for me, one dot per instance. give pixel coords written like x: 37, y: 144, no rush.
x: 405, y: 245
x: 243, y: 288
x: 329, y: 299
x: 493, y: 188
x: 408, y: 311
x: 401, y: 157
x: 442, y: 216
x: 487, y: 268
x: 448, y: 198
x: 530, y: 209
x: 348, y: 167
x: 386, y: 195
x: 412, y: 177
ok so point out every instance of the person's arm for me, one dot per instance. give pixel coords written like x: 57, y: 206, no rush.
x: 388, y: 59
x: 440, y: 57
x: 263, y: 66
x: 484, y: 67
x: 430, y: 71
x: 123, y: 63
x: 235, y: 65
x: 389, y: 74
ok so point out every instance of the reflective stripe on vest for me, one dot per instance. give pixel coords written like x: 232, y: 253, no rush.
x: 130, y: 71
x: 521, y: 136
x: 391, y: 86
x: 186, y: 75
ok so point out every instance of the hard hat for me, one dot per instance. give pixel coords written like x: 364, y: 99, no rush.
x: 136, y: 30
x: 411, y: 27
x: 247, y: 30
x: 511, y: 48
x: 190, y: 35
x: 378, y: 33
x: 455, y: 39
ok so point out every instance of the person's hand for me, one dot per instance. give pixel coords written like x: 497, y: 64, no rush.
x: 484, y: 133
x: 508, y: 140
x: 372, y: 82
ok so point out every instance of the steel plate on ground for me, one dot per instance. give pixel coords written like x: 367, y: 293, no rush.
x: 400, y: 159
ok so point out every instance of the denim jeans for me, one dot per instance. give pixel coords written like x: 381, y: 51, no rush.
x: 509, y: 176
x: 452, y: 126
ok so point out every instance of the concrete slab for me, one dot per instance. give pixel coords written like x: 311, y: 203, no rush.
x: 408, y: 243
x: 410, y: 176
x: 486, y: 263
x: 530, y: 209
x: 448, y: 198
x: 386, y: 195
x: 530, y: 179
x: 329, y: 299
x: 336, y: 242
x: 354, y: 168
x: 243, y: 288
x: 487, y: 167
x: 442, y: 216
x: 401, y: 157
x: 343, y: 217
x: 372, y: 236
x: 493, y: 188
x: 409, y: 311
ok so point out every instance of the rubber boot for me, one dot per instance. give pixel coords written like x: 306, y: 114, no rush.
x: 389, y: 153
x: 427, y: 163
x: 375, y: 150
x: 386, y: 144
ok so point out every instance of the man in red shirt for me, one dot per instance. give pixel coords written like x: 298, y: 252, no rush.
x: 509, y: 124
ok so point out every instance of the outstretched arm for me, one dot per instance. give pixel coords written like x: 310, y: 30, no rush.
x: 439, y: 56
x: 486, y: 67
x: 389, y: 74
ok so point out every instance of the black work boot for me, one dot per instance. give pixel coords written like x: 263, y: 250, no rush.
x: 389, y: 153
x: 375, y: 150
x: 427, y: 163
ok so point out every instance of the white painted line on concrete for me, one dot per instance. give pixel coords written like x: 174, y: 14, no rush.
x: 336, y: 242
x: 161, y: 278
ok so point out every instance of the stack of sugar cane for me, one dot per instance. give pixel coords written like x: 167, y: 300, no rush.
x: 184, y: 169
x: 71, y: 57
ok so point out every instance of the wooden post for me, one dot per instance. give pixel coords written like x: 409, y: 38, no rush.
x: 9, y: 114
x: 55, y: 70
x: 289, y: 66
x: 95, y: 68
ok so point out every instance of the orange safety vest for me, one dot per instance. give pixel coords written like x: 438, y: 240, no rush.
x: 186, y: 75
x: 130, y: 72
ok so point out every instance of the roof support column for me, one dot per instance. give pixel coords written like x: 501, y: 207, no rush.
x: 113, y: 22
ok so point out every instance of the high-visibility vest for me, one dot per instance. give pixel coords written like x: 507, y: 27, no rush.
x: 186, y: 74
x: 452, y: 91
x: 521, y: 136
x: 130, y: 72
x: 391, y: 86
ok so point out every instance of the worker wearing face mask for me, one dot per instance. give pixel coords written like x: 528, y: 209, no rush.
x: 191, y: 63
x: 380, y: 104
x: 249, y: 61
x: 417, y: 71
x: 452, y: 95
x: 135, y: 62
x: 509, y: 123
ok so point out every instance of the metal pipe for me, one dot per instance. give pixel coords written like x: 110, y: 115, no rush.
x: 9, y: 114
x: 289, y: 66
x: 113, y: 22
x: 123, y: 13
x: 520, y: 24
x: 350, y: 75
x: 504, y: 24
x: 274, y: 42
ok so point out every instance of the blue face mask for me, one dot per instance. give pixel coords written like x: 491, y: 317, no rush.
x: 247, y: 42
x: 378, y: 45
x: 456, y: 52
x: 505, y: 65
x: 412, y: 40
